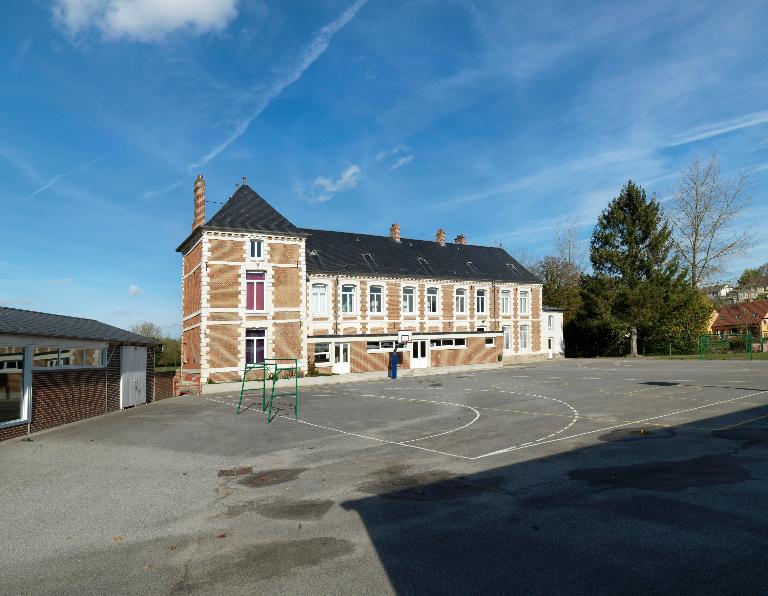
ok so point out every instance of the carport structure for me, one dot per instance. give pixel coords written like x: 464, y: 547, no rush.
x: 57, y: 369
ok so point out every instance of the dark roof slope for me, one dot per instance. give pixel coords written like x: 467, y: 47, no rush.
x: 344, y: 252
x: 247, y: 210
x: 27, y: 322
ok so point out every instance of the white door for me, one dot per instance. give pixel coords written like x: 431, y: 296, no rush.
x: 133, y: 376
x: 341, y: 359
x: 419, y: 356
x: 507, y: 339
x: 550, y: 346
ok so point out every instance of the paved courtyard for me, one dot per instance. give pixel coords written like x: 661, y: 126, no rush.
x: 577, y: 476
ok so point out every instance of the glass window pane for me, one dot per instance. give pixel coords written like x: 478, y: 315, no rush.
x: 11, y: 382
x: 249, y: 351
x: 259, y: 295
x: 92, y: 357
x: 45, y: 357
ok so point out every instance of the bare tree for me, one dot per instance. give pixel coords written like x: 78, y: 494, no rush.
x: 148, y: 329
x: 569, y: 247
x: 703, y: 213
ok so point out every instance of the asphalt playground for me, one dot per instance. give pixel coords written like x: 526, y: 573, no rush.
x: 576, y: 476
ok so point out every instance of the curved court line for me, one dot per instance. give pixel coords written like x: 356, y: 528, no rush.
x: 427, y: 401
x: 623, y: 424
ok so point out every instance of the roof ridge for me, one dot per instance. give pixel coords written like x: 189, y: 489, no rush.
x: 52, y: 314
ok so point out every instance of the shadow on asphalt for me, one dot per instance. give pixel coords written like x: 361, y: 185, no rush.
x: 680, y: 510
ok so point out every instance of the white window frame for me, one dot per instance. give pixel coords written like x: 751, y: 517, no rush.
x: 460, y: 292
x: 59, y: 366
x: 353, y: 307
x: 313, y: 304
x: 484, y: 297
x: 381, y: 299
x: 328, y: 352
x: 550, y: 321
x: 525, y: 346
x: 524, y: 299
x: 413, y: 296
x: 256, y: 249
x: 254, y: 282
x: 506, y: 302
x: 253, y: 340
x: 26, y: 388
x: 429, y: 295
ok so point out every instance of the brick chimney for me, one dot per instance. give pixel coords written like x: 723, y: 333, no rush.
x: 199, y: 218
x: 461, y: 239
x: 394, y: 232
x: 440, y: 236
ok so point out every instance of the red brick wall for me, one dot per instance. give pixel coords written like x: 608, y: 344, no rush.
x: 476, y: 352
x: 164, y: 384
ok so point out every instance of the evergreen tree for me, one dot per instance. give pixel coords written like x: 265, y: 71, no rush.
x: 637, y: 288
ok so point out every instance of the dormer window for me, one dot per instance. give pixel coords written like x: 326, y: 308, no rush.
x: 313, y: 253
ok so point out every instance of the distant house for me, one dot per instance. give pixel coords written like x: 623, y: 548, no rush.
x: 717, y: 292
x: 747, y: 317
x: 56, y: 369
x: 754, y: 290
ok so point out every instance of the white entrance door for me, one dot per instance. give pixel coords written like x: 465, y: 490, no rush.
x: 507, y: 339
x: 133, y: 376
x: 550, y: 346
x: 419, y: 356
x: 341, y: 359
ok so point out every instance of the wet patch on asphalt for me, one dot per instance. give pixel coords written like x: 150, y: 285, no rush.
x: 306, y: 510
x: 239, y: 566
x: 751, y: 437
x: 437, y: 485
x: 621, y: 435
x: 709, y: 470
x: 270, y: 477
x: 236, y: 471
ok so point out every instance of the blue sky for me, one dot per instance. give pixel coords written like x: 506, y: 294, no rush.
x: 491, y: 119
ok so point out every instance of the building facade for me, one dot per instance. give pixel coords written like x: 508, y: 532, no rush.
x: 254, y: 286
x: 56, y: 369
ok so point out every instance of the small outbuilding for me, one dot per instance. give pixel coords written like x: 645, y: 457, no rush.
x: 56, y: 369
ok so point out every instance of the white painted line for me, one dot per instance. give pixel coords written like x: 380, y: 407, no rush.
x: 344, y: 432
x: 591, y: 432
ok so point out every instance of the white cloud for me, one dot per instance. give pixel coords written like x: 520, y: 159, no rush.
x: 324, y: 189
x: 719, y: 128
x: 134, y: 290
x: 348, y: 180
x: 311, y: 52
x: 143, y: 20
x: 404, y: 151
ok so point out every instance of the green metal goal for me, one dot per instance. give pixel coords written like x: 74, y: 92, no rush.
x: 725, y: 345
x: 270, y: 371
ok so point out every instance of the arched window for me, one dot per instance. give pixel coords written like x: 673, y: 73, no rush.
x: 461, y: 300
x: 319, y: 299
x: 432, y: 300
x: 376, y: 300
x: 505, y: 302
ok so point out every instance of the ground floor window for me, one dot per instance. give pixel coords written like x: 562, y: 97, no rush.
x: 449, y: 342
x: 525, y: 341
x: 254, y: 345
x: 387, y: 345
x: 489, y: 341
x: 11, y: 383
x: 322, y: 353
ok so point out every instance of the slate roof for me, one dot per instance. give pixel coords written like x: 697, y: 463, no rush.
x: 27, y: 322
x: 246, y: 211
x: 348, y: 253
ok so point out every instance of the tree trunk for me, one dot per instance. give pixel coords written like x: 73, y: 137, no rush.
x: 633, y: 352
